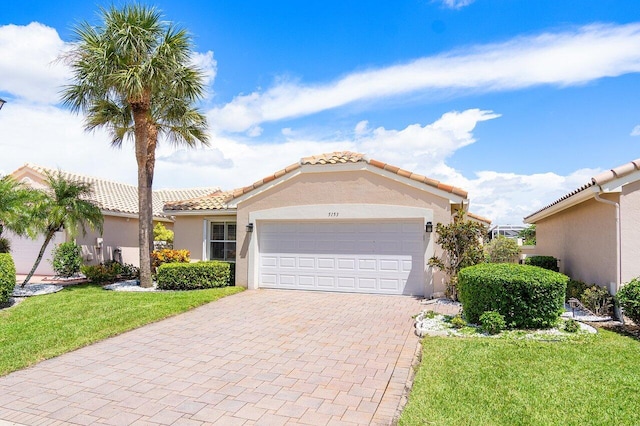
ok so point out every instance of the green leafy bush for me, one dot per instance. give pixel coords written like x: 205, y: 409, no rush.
x: 457, y: 321
x: 492, y: 322
x: 7, y: 277
x: 193, y: 276
x: 99, y: 274
x: 571, y: 326
x: 527, y: 296
x: 546, y: 262
x: 598, y: 300
x: 67, y: 259
x: 575, y: 288
x: 5, y: 245
x: 502, y: 250
x: 159, y: 257
x: 629, y: 298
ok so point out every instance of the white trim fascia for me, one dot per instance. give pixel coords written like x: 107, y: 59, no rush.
x: 205, y: 238
x: 349, y: 167
x: 617, y: 184
x: 575, y: 199
x: 133, y: 216
x: 285, y: 177
x: 226, y: 212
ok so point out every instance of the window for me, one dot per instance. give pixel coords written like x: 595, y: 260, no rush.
x: 222, y: 243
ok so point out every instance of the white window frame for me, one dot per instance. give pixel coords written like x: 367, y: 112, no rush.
x: 226, y: 239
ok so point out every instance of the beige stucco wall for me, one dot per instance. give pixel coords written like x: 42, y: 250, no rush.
x: 188, y: 232
x: 630, y: 231
x: 117, y: 232
x: 583, y: 238
x: 349, y: 187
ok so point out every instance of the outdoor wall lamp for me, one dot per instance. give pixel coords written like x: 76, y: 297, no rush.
x: 250, y: 227
x: 2, y: 102
x: 429, y: 227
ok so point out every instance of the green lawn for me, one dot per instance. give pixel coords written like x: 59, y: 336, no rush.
x: 42, y: 327
x: 479, y: 381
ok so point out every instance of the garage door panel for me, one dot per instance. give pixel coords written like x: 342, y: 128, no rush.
x: 369, y: 257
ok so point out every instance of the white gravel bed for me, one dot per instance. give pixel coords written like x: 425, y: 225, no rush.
x: 130, y: 285
x: 35, y: 290
x: 582, y: 315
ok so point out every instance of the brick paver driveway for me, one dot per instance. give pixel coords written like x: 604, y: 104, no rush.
x: 260, y: 357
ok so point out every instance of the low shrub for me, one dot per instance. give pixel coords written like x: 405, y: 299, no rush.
x: 492, y: 322
x: 193, y: 276
x: 502, y: 250
x: 67, y: 259
x: 5, y: 245
x: 7, y: 277
x: 575, y: 288
x: 598, y: 300
x: 571, y: 326
x: 629, y: 299
x: 457, y: 321
x: 99, y: 274
x: 527, y: 296
x: 546, y: 262
x: 110, y: 271
x: 160, y: 257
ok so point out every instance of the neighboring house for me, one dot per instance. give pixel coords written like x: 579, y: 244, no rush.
x: 332, y: 222
x: 595, y: 230
x: 509, y: 231
x: 119, y: 205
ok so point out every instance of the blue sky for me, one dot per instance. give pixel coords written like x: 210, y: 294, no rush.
x: 517, y: 102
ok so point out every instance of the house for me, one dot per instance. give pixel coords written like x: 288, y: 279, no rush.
x: 119, y: 205
x: 332, y: 222
x: 595, y: 230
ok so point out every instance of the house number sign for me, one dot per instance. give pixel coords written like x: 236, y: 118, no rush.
x: 333, y: 214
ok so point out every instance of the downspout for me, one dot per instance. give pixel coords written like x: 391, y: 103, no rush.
x: 618, y: 239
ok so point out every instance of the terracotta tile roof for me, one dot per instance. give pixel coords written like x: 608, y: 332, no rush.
x: 123, y: 198
x: 343, y: 157
x: 601, y: 179
x: 478, y: 218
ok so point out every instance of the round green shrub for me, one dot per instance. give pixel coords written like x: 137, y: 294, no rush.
x: 571, y: 326
x: 67, y: 259
x: 629, y: 299
x: 527, y: 296
x: 7, y: 277
x: 492, y: 322
x: 457, y: 321
x: 546, y: 262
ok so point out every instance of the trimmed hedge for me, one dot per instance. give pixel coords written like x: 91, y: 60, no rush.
x: 527, y: 296
x: 546, y: 262
x: 629, y: 298
x: 193, y: 276
x: 7, y: 277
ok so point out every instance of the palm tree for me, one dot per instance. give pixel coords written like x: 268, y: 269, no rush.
x: 63, y: 204
x: 133, y: 75
x: 15, y: 203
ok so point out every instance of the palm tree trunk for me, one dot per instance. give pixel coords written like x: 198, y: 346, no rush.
x: 145, y: 183
x: 47, y: 240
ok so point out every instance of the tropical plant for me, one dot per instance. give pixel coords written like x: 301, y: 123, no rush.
x: 63, y: 204
x: 161, y: 233
x: 133, y: 75
x: 629, y: 298
x: 67, y: 259
x: 16, y: 200
x: 597, y: 299
x: 528, y: 235
x: 461, y: 242
x: 502, y: 250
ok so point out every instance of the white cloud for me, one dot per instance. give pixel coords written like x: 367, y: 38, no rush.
x: 28, y: 63
x: 456, y: 4
x: 562, y: 59
x: 207, y: 64
x: 635, y: 131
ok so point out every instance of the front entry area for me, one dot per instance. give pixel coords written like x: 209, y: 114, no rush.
x: 364, y: 256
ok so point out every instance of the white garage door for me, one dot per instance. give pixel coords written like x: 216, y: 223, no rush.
x: 25, y: 251
x: 365, y: 257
